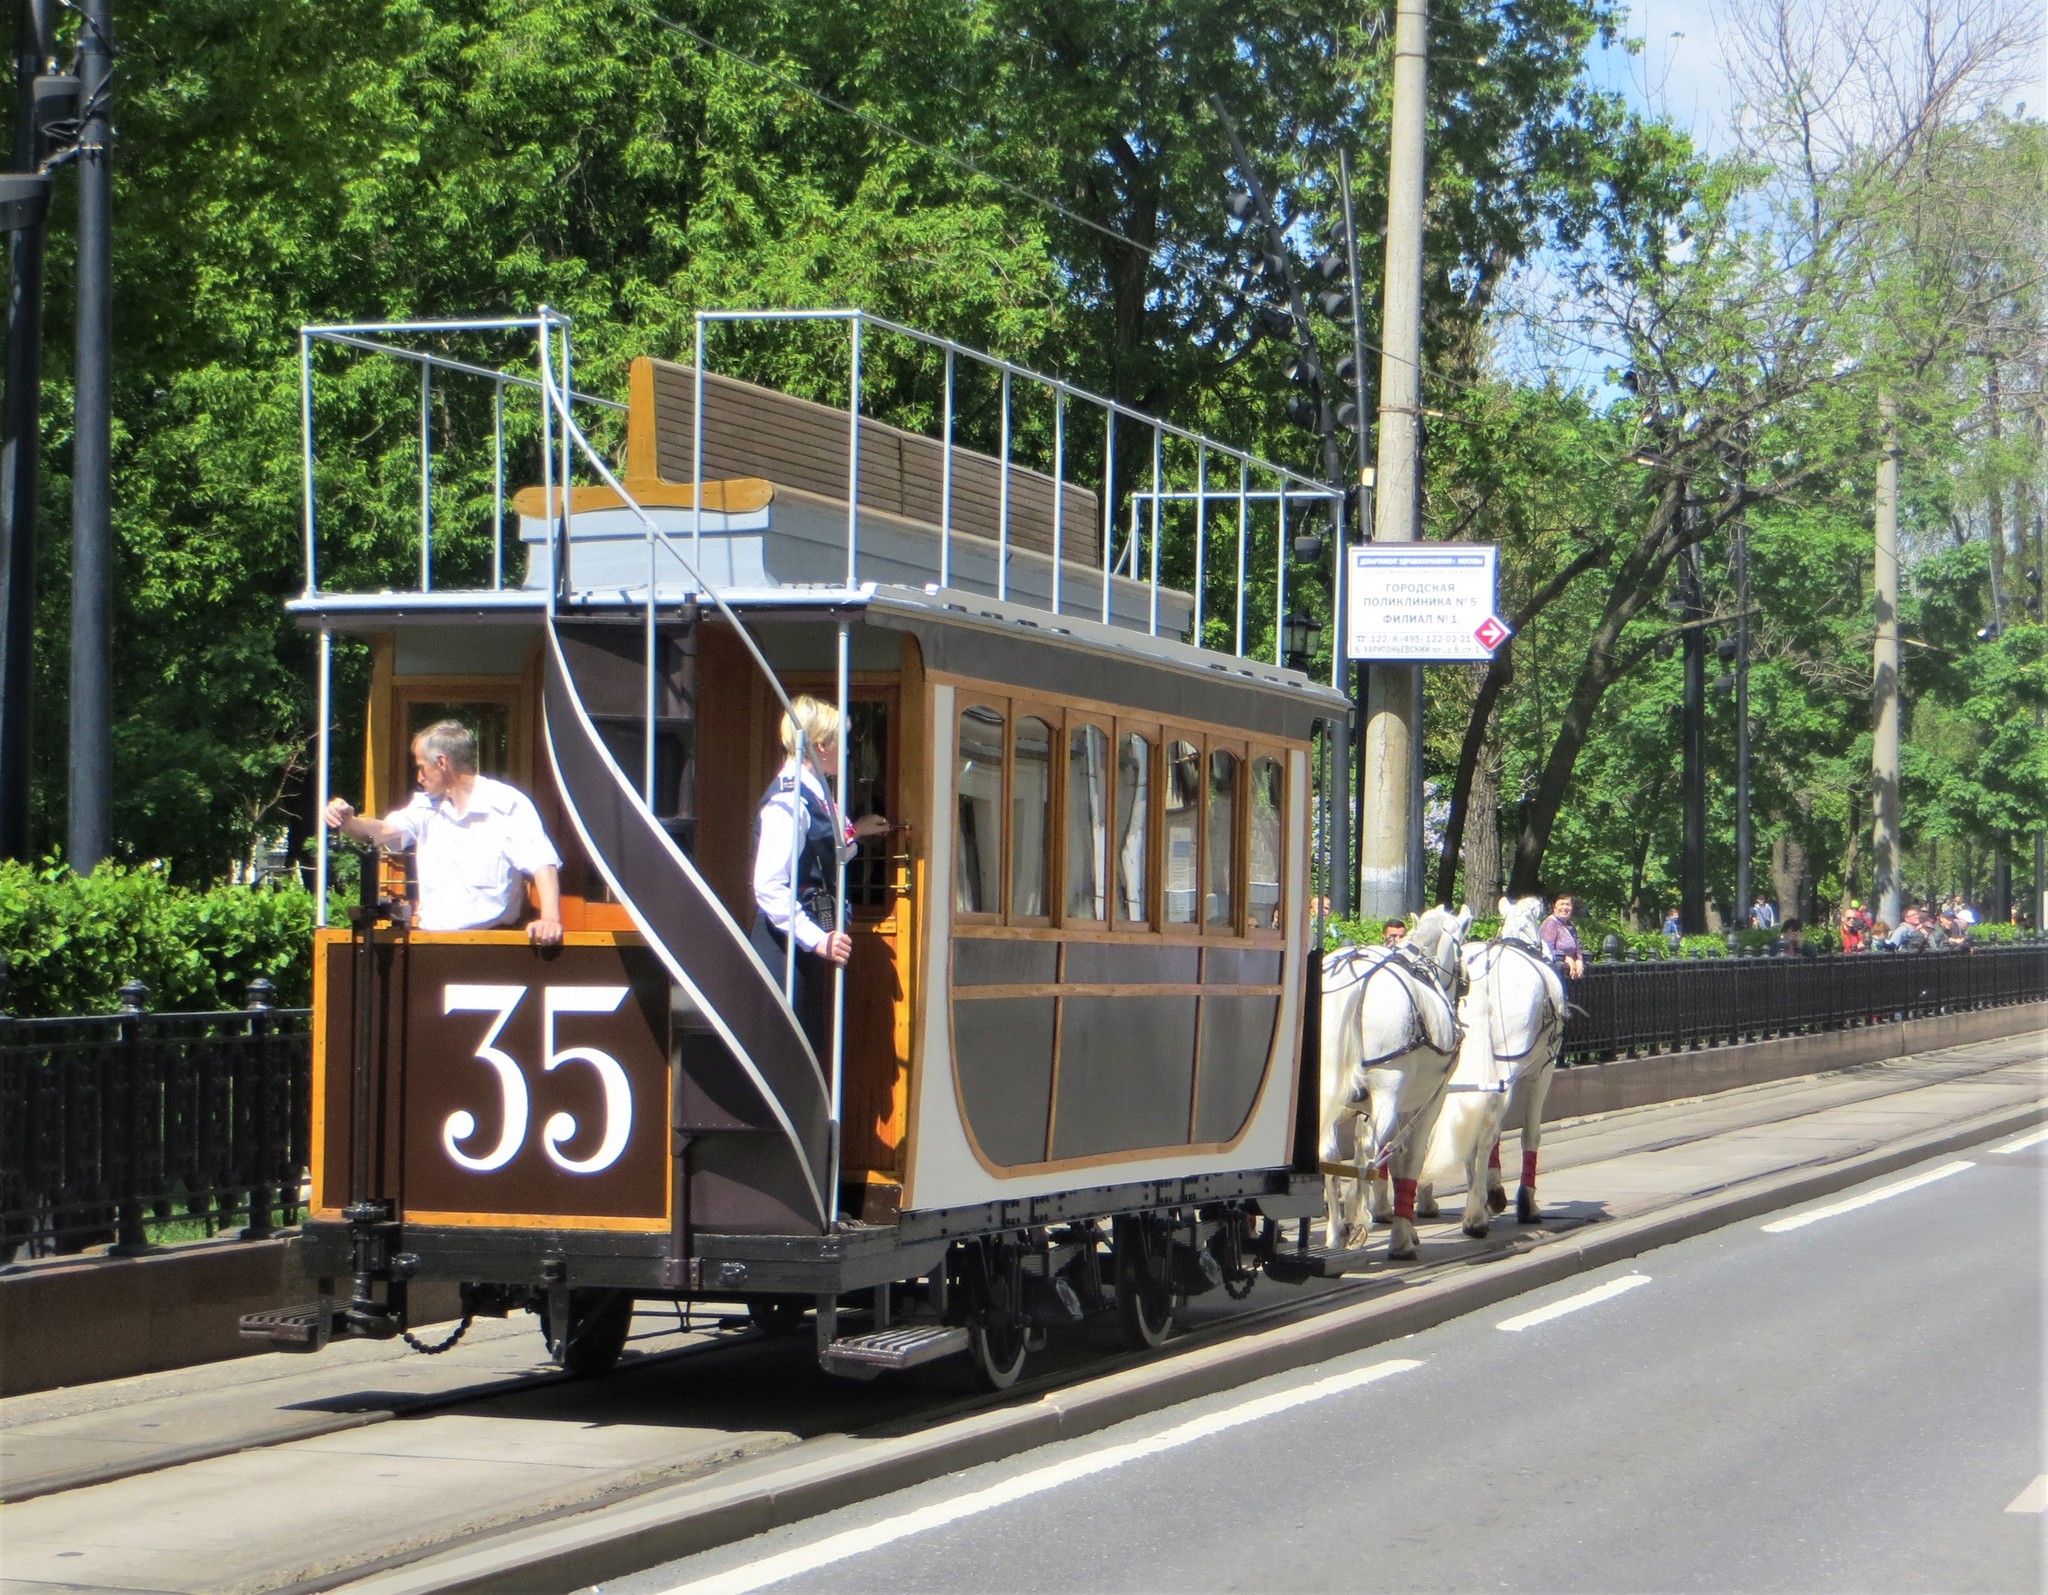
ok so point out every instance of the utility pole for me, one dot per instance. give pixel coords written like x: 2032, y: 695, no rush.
x: 1884, y: 752
x: 1389, y: 883
x: 92, y: 551
x: 1353, y: 676
x: 20, y: 437
x: 1744, y: 841
x: 1692, y: 846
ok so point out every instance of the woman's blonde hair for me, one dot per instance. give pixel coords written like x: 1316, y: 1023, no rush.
x: 820, y: 722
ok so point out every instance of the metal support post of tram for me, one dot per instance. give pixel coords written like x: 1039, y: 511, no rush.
x: 1388, y: 880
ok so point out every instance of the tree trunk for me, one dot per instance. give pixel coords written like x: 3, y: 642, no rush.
x: 1635, y: 585
x: 1482, y: 849
x: 1479, y: 734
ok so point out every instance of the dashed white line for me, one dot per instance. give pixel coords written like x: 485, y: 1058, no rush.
x: 1896, y: 1188
x: 2031, y: 1138
x: 1572, y: 1304
x: 855, y: 1542
x: 2034, y: 1498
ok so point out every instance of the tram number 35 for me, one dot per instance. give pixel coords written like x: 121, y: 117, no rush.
x: 514, y: 1100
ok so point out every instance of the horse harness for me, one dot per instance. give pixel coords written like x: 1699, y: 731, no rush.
x: 1551, y: 1030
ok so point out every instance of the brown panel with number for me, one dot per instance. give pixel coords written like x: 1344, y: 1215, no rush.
x: 513, y: 1086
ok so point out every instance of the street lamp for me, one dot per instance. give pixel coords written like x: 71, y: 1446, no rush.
x: 1300, y: 636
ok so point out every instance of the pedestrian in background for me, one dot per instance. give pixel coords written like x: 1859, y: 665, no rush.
x: 1792, y: 942
x: 1856, y: 927
x: 1762, y: 915
x: 1561, y: 942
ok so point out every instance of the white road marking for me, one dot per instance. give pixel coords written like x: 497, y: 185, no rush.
x: 854, y: 1542
x: 1897, y: 1188
x: 1571, y: 1304
x: 2031, y: 1138
x: 2034, y: 1498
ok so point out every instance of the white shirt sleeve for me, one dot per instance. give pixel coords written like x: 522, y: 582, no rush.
x: 408, y: 822
x: 775, y: 872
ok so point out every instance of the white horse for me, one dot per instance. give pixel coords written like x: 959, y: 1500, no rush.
x: 1389, y: 1033
x: 1513, y: 1020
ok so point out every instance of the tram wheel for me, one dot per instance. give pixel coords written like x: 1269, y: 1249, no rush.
x: 1144, y: 1286
x: 775, y: 1315
x: 999, y: 1351
x: 599, y: 1321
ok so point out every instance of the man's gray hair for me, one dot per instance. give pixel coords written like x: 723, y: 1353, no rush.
x: 449, y: 739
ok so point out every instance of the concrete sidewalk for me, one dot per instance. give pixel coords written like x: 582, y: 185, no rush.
x: 725, y: 1434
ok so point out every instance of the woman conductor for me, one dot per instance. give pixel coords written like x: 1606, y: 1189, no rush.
x: 799, y: 841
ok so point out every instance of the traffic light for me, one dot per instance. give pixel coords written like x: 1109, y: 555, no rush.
x: 1304, y: 411
x: 1241, y: 205
x: 1334, y: 304
x: 1304, y: 368
x: 1273, y: 321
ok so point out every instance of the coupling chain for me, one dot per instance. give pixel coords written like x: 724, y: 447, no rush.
x: 426, y: 1350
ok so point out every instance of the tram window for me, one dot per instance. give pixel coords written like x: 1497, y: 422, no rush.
x: 1087, y: 822
x: 1133, y: 803
x: 978, y: 834
x: 1183, y: 838
x: 1262, y: 857
x: 1030, y: 818
x: 1219, y: 887
x: 490, y: 720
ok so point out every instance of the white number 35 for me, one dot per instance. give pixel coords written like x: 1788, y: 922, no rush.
x: 512, y: 1092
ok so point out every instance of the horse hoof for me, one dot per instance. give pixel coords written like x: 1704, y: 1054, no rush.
x: 1476, y: 1228
x: 1427, y: 1208
x: 1497, y: 1200
x: 1526, y: 1211
x: 1397, y: 1253
x: 1356, y: 1238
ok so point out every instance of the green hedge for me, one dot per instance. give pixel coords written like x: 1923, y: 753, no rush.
x: 72, y: 941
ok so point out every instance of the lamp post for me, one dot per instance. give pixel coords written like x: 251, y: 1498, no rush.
x: 1300, y: 636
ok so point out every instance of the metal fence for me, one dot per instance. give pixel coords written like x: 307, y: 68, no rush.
x: 1625, y: 1010
x: 114, y: 1126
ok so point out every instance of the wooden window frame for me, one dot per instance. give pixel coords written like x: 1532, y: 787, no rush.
x: 1155, y: 743
x: 1170, y: 733
x: 1265, y: 933
x: 1240, y: 836
x: 999, y: 704
x: 1075, y: 719
x: 1053, y: 718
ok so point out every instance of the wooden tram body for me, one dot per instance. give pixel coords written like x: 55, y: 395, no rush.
x: 1071, y: 1073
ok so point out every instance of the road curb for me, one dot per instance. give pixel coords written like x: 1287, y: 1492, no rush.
x: 611, y: 1541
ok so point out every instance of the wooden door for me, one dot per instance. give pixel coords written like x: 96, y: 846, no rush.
x: 879, y: 907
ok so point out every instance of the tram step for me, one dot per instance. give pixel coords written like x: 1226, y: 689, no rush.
x: 1290, y: 1266
x: 864, y: 1356
x: 290, y: 1328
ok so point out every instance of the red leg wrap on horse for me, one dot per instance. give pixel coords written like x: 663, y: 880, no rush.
x: 1404, y: 1198
x: 1493, y: 1157
x: 1529, y: 1169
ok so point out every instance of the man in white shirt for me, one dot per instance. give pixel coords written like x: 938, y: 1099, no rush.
x: 476, y: 839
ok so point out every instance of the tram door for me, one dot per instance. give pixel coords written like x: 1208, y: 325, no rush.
x: 879, y: 904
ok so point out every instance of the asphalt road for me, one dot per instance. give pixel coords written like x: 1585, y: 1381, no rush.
x: 1842, y: 1397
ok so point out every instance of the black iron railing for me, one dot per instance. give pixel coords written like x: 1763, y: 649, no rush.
x: 139, y: 1127
x: 1623, y: 1010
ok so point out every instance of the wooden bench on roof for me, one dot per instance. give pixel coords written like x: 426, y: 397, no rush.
x: 758, y: 433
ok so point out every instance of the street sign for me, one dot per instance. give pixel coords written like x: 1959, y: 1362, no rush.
x: 1422, y: 602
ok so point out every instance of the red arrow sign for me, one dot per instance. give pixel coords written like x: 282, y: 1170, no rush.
x: 1491, y: 632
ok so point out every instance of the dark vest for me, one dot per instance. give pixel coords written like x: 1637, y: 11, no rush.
x: 817, y: 862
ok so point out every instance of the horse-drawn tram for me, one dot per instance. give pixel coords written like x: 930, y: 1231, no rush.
x: 1069, y: 1065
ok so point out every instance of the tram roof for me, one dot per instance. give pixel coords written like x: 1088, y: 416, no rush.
x: 963, y: 632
